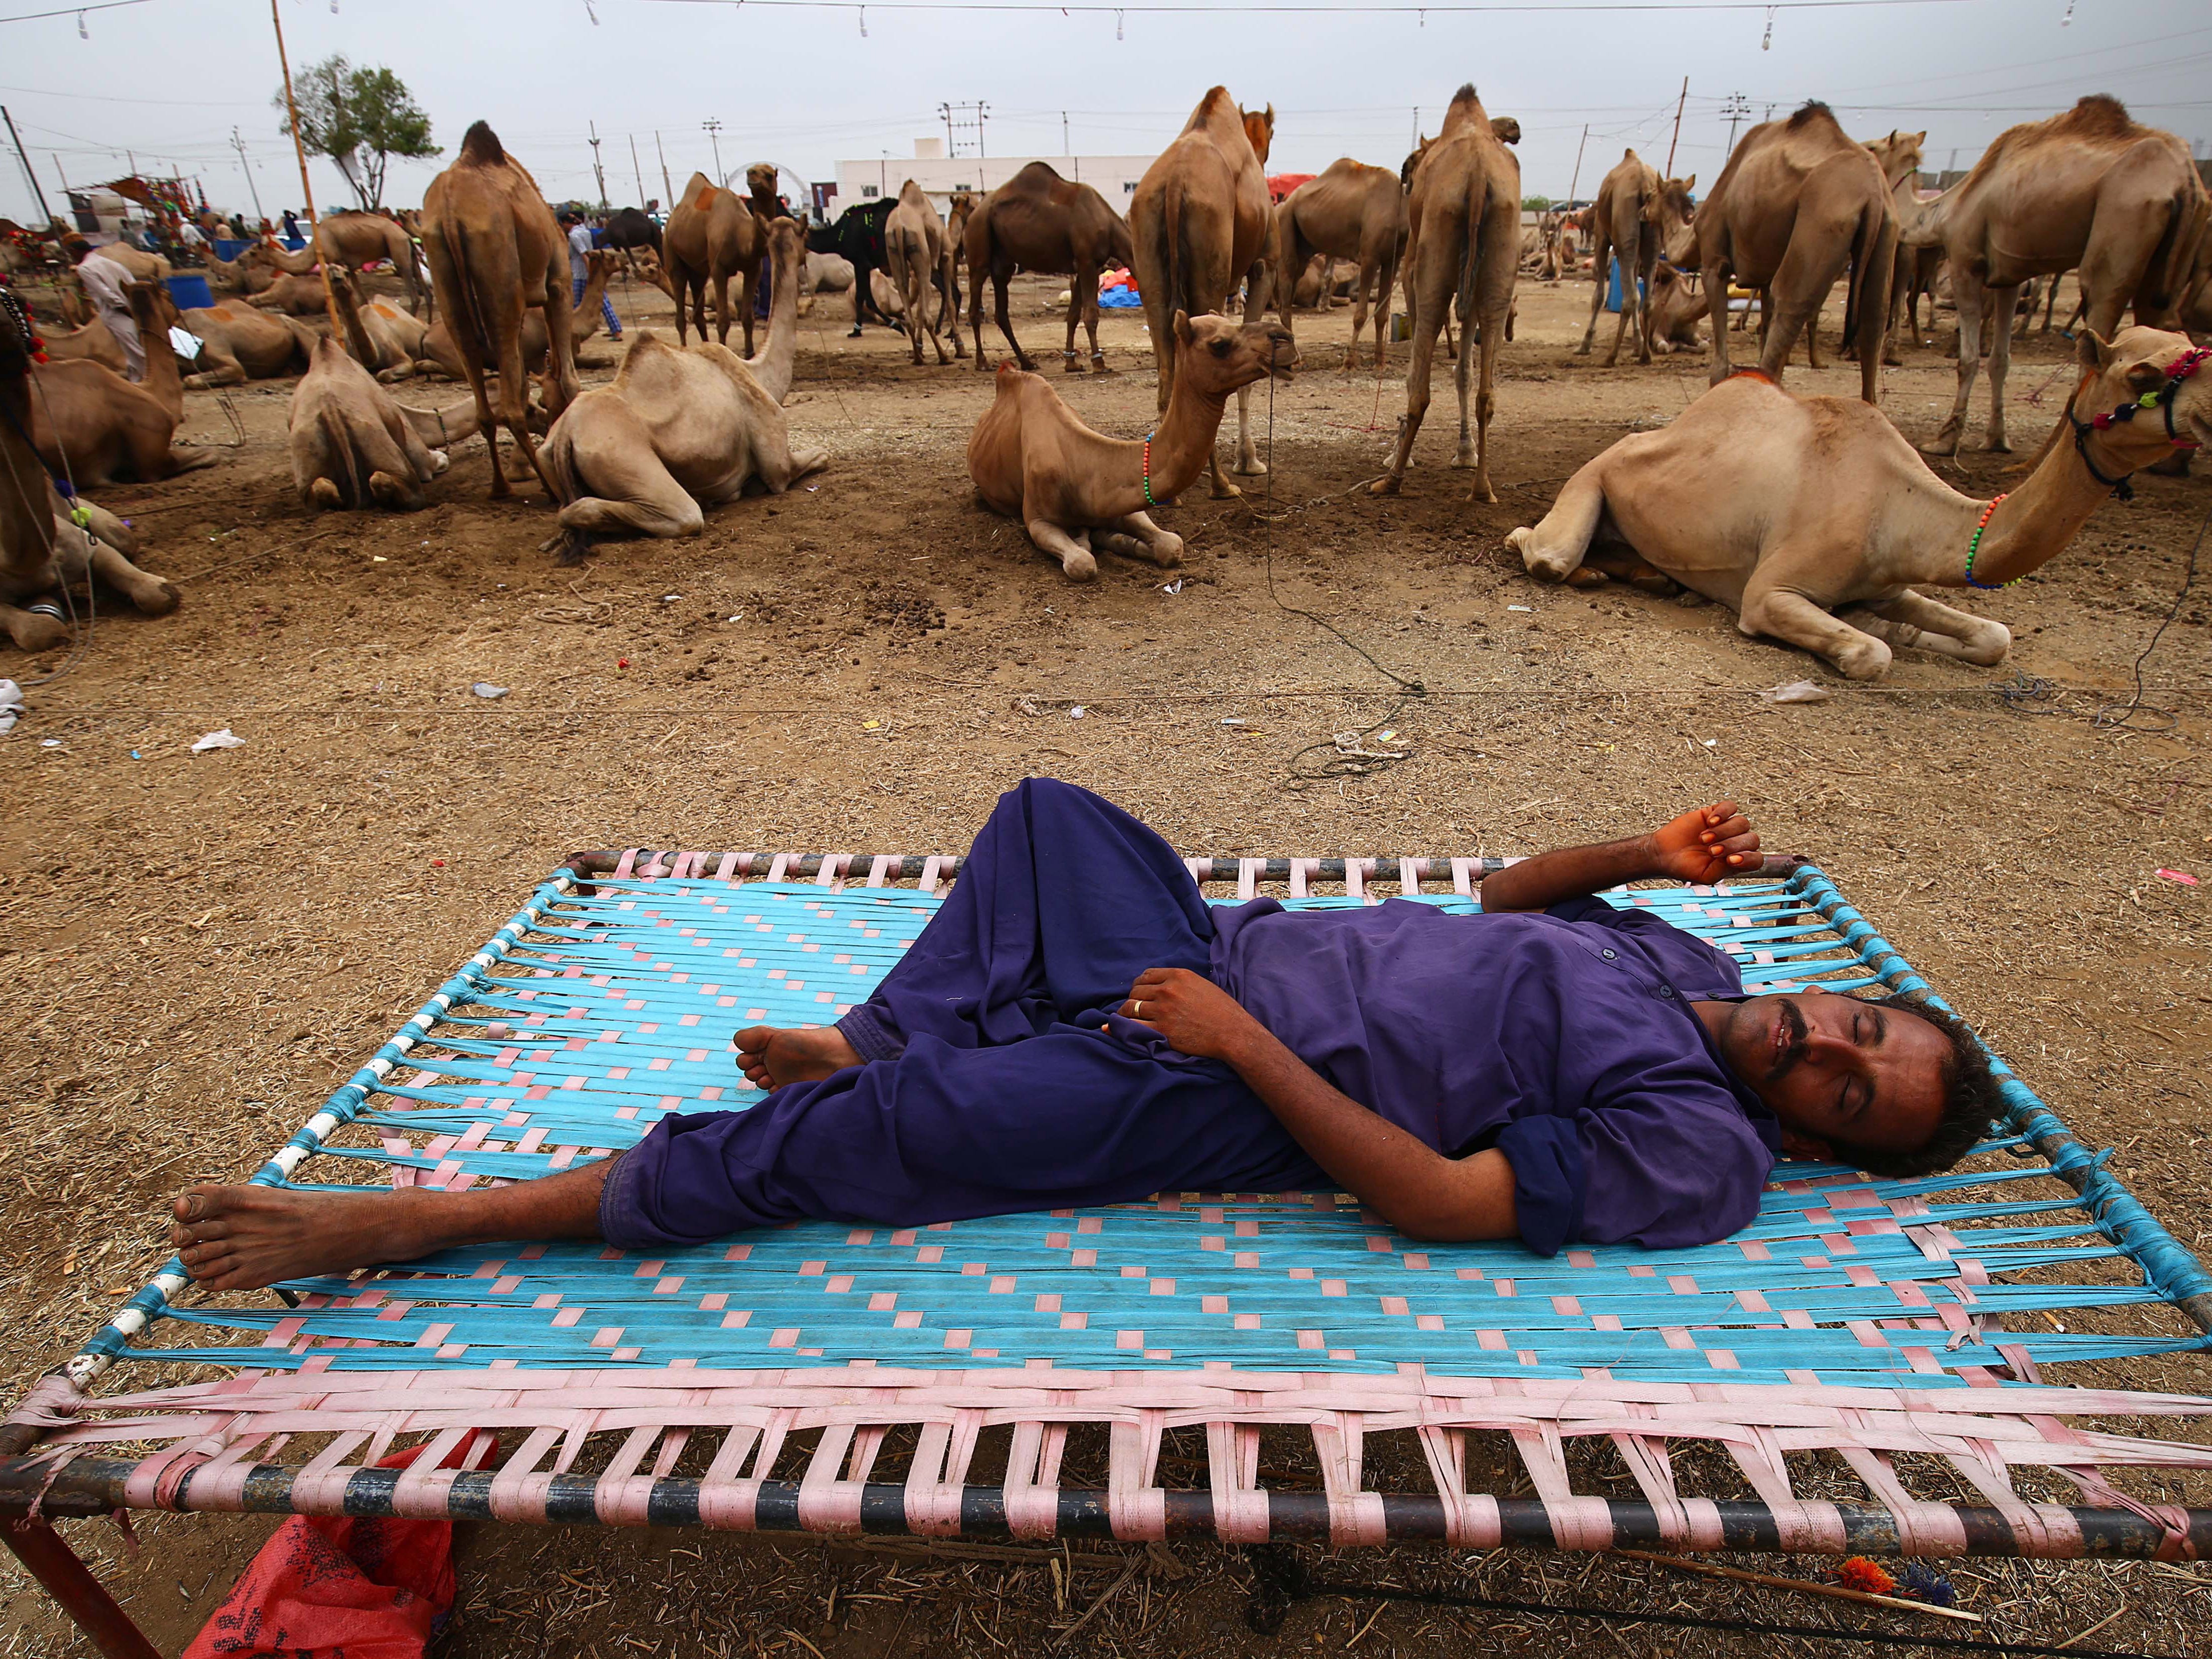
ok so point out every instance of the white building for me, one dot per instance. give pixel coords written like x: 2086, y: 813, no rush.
x: 1114, y: 177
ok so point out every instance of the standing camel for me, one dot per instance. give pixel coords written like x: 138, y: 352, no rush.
x: 1350, y: 211
x: 1038, y: 221
x: 921, y: 259
x: 1463, y: 243
x: 712, y: 236
x: 1638, y: 215
x: 353, y: 238
x: 2087, y: 188
x: 1797, y: 202
x: 496, y: 252
x: 1912, y: 273
x: 1199, y: 223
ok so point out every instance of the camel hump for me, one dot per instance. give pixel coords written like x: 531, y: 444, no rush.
x: 480, y: 146
x: 1811, y: 110
x: 2098, y: 115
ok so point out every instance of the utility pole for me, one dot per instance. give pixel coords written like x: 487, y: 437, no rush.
x: 1578, y: 162
x: 637, y: 168
x: 982, y: 114
x: 598, y: 172
x: 246, y: 168
x: 714, y: 130
x: 1676, y: 139
x: 44, y: 212
x: 951, y: 148
x: 1737, y: 109
x: 1066, y: 149
x: 667, y: 201
x: 1416, y: 142
x: 58, y: 174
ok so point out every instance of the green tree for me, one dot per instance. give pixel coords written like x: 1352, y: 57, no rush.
x: 1537, y: 203
x: 360, y: 118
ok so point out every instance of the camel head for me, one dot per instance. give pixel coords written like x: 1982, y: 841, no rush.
x: 1216, y: 356
x: 151, y: 308
x: 1406, y: 171
x: 1671, y: 211
x: 1899, y: 154
x: 1507, y: 129
x: 760, y: 181
x: 2123, y: 432
x: 1260, y: 128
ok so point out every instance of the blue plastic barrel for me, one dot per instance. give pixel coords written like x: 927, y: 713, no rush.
x: 1613, y: 289
x: 227, y: 248
x: 190, y: 293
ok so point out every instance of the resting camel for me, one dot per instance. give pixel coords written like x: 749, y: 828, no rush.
x: 1352, y: 211
x: 1463, y: 243
x: 679, y: 430
x: 91, y: 426
x: 2089, y: 188
x: 1797, y: 202
x: 95, y: 342
x: 1038, y: 221
x: 712, y: 236
x: 144, y: 267
x: 1199, y: 224
x: 353, y: 238
x: 1815, y: 521
x: 495, y: 253
x: 1637, y: 214
x: 437, y: 350
x: 239, y: 343
x: 387, y: 342
x: 1074, y: 489
x: 295, y: 296
x: 352, y: 446
x: 1675, y: 308
x: 921, y: 259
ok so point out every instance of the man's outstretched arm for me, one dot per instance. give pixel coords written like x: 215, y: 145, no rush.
x: 1705, y: 844
x: 1419, y: 1191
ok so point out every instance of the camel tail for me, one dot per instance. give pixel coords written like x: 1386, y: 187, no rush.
x: 466, y: 314
x: 1178, y: 253
x: 2166, y: 279
x: 1470, y: 258
x: 558, y: 456
x: 1866, y: 243
x: 343, y: 461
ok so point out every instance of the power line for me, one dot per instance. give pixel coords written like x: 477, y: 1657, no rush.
x: 1272, y: 6
x: 72, y: 11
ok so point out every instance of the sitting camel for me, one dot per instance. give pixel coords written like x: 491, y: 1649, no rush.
x: 92, y: 426
x: 921, y: 259
x: 680, y: 428
x: 387, y: 342
x: 1033, y: 460
x: 1675, y: 306
x: 95, y: 342
x: 239, y: 343
x: 353, y: 446
x: 42, y: 546
x: 1814, y: 519
x: 295, y: 296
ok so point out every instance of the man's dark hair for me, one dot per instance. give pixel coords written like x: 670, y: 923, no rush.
x: 1972, y: 1100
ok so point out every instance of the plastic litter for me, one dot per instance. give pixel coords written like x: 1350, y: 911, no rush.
x: 1076, y: 713
x: 1796, y: 691
x: 487, y: 690
x: 2182, y: 877
x: 225, y: 738
x: 50, y: 743
x: 1174, y: 586
x: 1521, y: 607
x: 11, y: 705
x: 184, y: 343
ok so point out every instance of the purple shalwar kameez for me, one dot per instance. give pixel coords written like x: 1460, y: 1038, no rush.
x: 1000, y: 1076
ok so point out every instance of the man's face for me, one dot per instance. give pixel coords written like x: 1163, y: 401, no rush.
x: 1835, y: 1069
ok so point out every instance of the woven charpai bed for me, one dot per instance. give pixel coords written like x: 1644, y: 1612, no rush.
x: 1860, y: 1370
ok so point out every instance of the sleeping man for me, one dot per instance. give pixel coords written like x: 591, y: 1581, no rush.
x: 1076, y: 1025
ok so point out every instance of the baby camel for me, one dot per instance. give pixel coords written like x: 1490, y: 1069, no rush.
x: 679, y: 427
x: 1033, y: 460
x: 1814, y: 518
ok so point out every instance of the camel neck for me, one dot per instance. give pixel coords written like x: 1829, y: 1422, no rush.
x: 1182, y: 443
x: 2029, y: 527
x: 163, y: 378
x: 356, y: 332
x: 26, y: 530
x: 772, y: 367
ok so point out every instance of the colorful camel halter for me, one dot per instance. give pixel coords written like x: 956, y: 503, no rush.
x: 1149, y: 501
x: 2185, y: 367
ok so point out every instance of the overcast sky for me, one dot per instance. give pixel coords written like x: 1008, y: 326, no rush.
x: 168, y: 80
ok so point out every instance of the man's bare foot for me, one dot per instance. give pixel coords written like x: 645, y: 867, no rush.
x: 771, y: 1056
x: 242, y: 1238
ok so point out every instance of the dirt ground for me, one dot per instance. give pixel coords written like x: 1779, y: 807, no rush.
x: 198, y: 947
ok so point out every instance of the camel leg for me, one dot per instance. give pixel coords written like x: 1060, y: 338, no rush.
x: 748, y: 281
x: 148, y: 594
x: 225, y: 371
x: 1493, y: 326
x: 1073, y: 551
x: 1069, y: 362
x: 2004, y: 299
x: 644, y: 501
x: 1599, y: 264
x: 1783, y: 615
x: 1803, y: 281
x: 1091, y: 322
x: 1248, y: 464
x: 1554, y: 547
x: 1005, y: 326
x: 1969, y: 294
x: 31, y: 631
x: 1915, y: 620
x: 720, y: 280
x: 1358, y: 313
x: 1163, y: 547
x: 1420, y: 368
x: 1717, y: 314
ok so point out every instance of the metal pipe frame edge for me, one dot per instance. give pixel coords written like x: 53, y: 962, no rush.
x: 91, y: 1486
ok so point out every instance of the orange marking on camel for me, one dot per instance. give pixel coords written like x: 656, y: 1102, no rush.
x: 1752, y: 375
x: 706, y: 200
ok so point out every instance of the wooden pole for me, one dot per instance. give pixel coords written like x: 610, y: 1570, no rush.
x: 306, y: 190
x: 1677, y: 138
x: 1578, y: 162
x: 23, y: 156
x: 93, y: 1610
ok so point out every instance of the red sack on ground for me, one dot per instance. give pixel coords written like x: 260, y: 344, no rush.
x: 343, y: 1587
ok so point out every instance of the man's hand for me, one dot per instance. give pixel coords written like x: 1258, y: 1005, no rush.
x: 1707, y: 844
x: 1191, y: 1012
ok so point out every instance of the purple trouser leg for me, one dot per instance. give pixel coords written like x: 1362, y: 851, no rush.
x: 991, y: 1088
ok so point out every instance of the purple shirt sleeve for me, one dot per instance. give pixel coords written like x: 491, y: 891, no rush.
x: 1698, y: 969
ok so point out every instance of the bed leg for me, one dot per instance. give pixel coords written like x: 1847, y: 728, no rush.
x: 94, y: 1611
